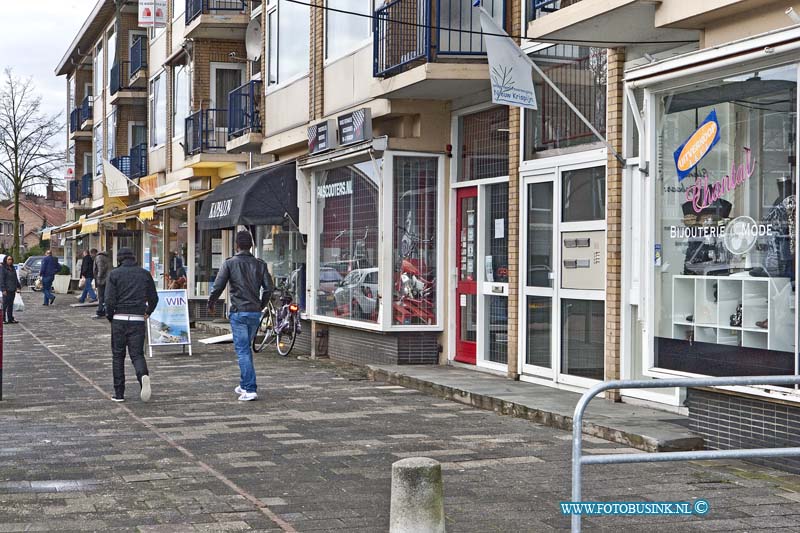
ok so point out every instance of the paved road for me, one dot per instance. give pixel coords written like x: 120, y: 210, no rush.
x: 313, y: 454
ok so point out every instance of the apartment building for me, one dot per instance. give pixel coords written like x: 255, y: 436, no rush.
x: 708, y: 115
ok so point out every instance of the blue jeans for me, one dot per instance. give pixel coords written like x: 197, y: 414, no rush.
x: 244, y: 326
x: 87, y: 289
x: 47, y: 288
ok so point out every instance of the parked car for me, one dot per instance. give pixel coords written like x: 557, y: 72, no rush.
x: 329, y: 280
x: 29, y: 270
x: 357, y: 294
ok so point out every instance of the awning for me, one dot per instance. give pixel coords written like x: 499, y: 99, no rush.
x: 90, y: 225
x: 180, y: 200
x: 262, y: 197
x: 147, y: 213
x: 46, y: 233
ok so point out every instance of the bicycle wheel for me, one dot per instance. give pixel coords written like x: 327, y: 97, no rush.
x: 266, y: 330
x: 287, y: 337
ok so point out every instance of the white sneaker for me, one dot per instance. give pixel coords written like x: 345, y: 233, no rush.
x: 248, y: 397
x: 238, y: 390
x: 145, y: 396
x: 115, y: 399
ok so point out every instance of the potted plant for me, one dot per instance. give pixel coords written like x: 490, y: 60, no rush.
x: 61, y: 282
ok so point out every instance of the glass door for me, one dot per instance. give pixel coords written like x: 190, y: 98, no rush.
x: 466, y: 286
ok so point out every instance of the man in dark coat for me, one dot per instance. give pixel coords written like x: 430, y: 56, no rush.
x: 87, y: 274
x: 102, y: 267
x: 131, y: 298
x: 47, y: 272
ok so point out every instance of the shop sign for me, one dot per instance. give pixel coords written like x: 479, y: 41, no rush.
x: 319, y: 137
x: 152, y: 13
x: 331, y: 190
x: 148, y: 185
x: 355, y: 127
x: 703, y: 194
x: 689, y: 154
x: 169, y: 323
x: 220, y: 209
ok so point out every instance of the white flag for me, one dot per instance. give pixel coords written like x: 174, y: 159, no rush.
x: 116, y: 181
x: 510, y: 70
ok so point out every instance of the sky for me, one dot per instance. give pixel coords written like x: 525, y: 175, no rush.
x: 34, y: 35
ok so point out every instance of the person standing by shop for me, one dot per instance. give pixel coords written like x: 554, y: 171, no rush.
x: 130, y: 297
x: 47, y: 272
x: 87, y: 274
x: 251, y: 286
x: 102, y: 266
x: 9, y: 285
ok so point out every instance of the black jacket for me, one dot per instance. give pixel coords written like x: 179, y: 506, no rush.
x: 247, y: 276
x: 87, y: 267
x: 102, y: 266
x: 8, y: 279
x: 130, y: 290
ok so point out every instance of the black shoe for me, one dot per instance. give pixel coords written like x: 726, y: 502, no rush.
x: 52, y: 299
x: 12, y: 321
x: 115, y: 399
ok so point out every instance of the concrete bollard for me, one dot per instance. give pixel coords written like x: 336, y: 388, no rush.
x: 417, y: 504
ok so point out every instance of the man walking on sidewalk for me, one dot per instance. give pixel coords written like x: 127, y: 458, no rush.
x: 87, y: 274
x: 247, y: 276
x: 131, y: 297
x: 102, y: 266
x: 47, y: 272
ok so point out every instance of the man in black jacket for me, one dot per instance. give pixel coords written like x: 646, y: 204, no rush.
x: 87, y: 274
x: 131, y: 297
x: 247, y: 277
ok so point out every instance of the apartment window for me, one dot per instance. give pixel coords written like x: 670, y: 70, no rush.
x: 71, y: 89
x: 111, y: 128
x: 98, y: 149
x: 345, y: 32
x: 98, y: 66
x: 158, y: 111
x: 287, y: 54
x: 181, y: 87
x: 111, y: 50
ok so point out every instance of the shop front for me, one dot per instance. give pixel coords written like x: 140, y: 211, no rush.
x: 719, y: 214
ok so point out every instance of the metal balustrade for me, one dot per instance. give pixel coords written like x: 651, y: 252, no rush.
x: 120, y: 77
x: 87, y: 182
x: 123, y: 164
x: 195, y: 8
x: 539, y: 8
x: 87, y: 109
x: 138, y: 161
x: 138, y: 55
x: 74, y: 120
x: 206, y: 131
x: 459, y: 26
x: 74, y: 191
x: 244, y: 106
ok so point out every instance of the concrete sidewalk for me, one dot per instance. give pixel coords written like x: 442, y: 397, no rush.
x: 636, y: 426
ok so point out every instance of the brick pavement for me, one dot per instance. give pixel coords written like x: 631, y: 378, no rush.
x: 313, y: 454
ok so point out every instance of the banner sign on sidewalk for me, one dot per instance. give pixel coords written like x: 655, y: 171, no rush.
x: 169, y: 323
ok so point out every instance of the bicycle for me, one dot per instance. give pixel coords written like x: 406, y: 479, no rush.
x: 281, y: 325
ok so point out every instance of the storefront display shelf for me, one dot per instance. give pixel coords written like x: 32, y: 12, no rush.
x: 760, y: 308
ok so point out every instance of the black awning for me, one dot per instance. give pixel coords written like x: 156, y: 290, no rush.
x: 264, y: 197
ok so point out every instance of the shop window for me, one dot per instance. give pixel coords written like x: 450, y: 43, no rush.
x: 583, y: 194
x: 726, y: 226
x: 580, y: 73
x: 414, y: 250
x: 177, y: 248
x: 347, y: 207
x: 582, y: 338
x: 484, y: 148
x: 208, y: 257
x: 540, y: 235
x: 283, y: 248
x: 540, y: 312
x: 153, y: 246
x: 496, y: 260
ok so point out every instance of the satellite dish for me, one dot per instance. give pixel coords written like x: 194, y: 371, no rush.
x: 741, y: 235
x: 253, y: 40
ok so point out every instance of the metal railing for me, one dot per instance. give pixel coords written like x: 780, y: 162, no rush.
x: 457, y: 19
x: 195, y: 8
x: 401, y: 36
x: 86, y: 185
x: 138, y: 56
x: 540, y: 8
x: 74, y: 120
x: 87, y: 109
x: 244, y: 106
x: 138, y: 161
x: 120, y: 77
x: 578, y: 459
x: 74, y: 191
x: 206, y: 131
x: 123, y: 164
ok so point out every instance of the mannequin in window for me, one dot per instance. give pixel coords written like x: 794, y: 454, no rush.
x: 780, y: 246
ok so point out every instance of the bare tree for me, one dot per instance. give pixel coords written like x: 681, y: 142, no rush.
x: 27, y: 155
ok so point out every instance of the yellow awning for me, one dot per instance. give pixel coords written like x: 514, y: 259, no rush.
x: 69, y: 226
x: 46, y: 234
x: 180, y: 200
x: 90, y: 226
x: 147, y: 213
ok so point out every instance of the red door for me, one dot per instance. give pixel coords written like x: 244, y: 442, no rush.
x: 467, y: 286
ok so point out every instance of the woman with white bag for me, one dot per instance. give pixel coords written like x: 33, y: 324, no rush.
x: 9, y: 285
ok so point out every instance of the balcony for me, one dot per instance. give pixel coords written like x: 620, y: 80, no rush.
x: 123, y: 164
x: 74, y: 191
x: 418, y: 57
x: 244, y: 119
x: 87, y: 114
x: 76, y: 132
x: 595, y: 22
x: 138, y: 55
x: 138, y: 161
x: 206, y: 140
x: 87, y: 185
x: 216, y: 19
x: 74, y: 120
x: 122, y: 91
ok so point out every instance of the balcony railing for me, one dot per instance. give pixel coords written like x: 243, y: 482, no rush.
x: 87, y: 180
x: 87, y: 111
x: 540, y: 8
x: 74, y: 191
x: 206, y: 131
x: 138, y: 161
x: 75, y: 120
x: 120, y: 77
x: 195, y: 8
x: 403, y: 36
x: 245, y: 109
x: 123, y: 164
x: 138, y: 56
